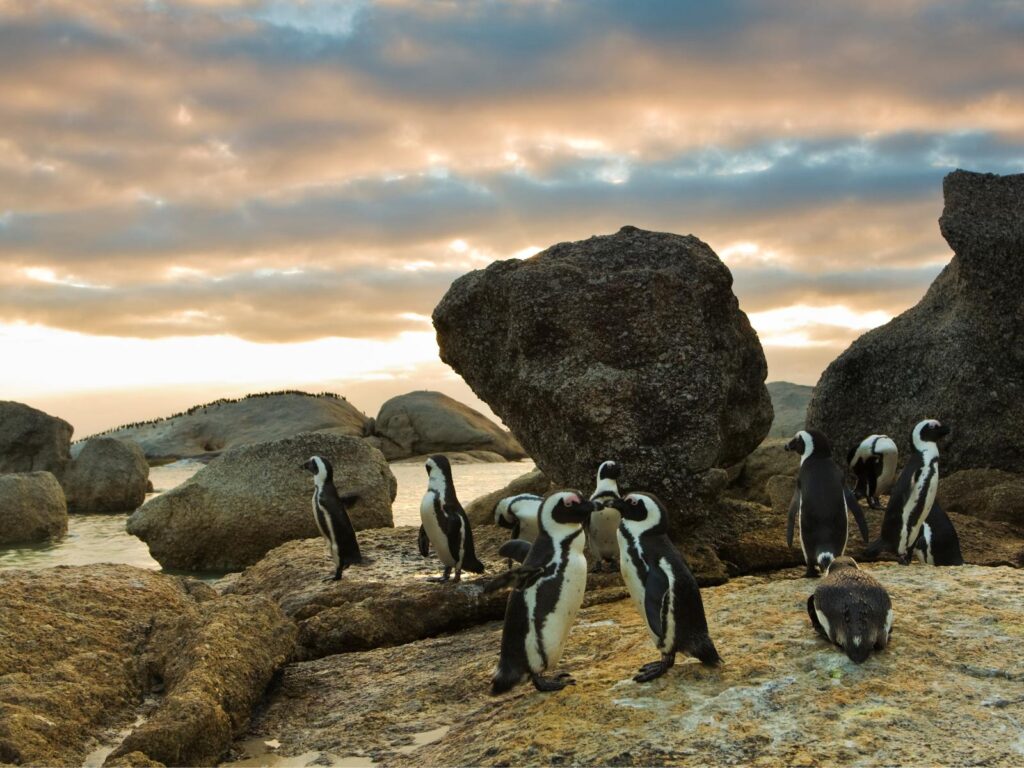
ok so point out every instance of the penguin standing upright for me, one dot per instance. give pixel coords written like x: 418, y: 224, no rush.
x: 661, y: 585
x: 331, y: 515
x: 851, y: 609
x: 519, y: 514
x: 938, y: 543
x: 820, y: 503
x: 873, y: 463
x: 602, y: 530
x: 913, y: 494
x: 444, y: 523
x: 548, y: 592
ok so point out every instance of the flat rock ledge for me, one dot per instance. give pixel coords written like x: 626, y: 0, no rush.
x: 947, y: 691
x: 386, y: 601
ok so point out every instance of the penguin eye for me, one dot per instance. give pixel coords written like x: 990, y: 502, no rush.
x: 570, y: 500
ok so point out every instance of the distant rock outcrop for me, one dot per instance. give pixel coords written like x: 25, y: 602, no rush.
x: 107, y: 475
x: 428, y: 422
x: 256, y: 497
x: 206, y: 430
x: 32, y: 508
x: 789, y: 402
x: 629, y: 346
x: 32, y: 441
x: 958, y: 355
x: 81, y: 646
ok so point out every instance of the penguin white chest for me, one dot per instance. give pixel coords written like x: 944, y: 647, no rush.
x: 549, y: 631
x: 635, y: 585
x: 438, y: 537
x: 603, y: 530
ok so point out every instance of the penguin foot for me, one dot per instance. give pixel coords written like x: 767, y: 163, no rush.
x: 811, y: 572
x: 458, y: 577
x: 651, y: 671
x: 906, y: 558
x: 874, y: 503
x: 443, y: 577
x: 551, y: 684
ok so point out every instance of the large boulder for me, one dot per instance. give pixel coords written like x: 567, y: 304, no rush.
x: 205, y: 430
x: 630, y: 346
x: 81, y: 646
x: 952, y: 665
x: 386, y: 600
x: 32, y: 441
x: 749, y: 479
x: 988, y: 494
x: 253, y: 498
x: 108, y: 475
x: 32, y: 508
x: 428, y: 422
x: 958, y: 355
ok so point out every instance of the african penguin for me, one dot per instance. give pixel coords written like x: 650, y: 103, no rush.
x: 851, y: 609
x: 444, y: 523
x: 548, y: 592
x: 873, y: 463
x: 661, y: 586
x: 913, y: 494
x: 938, y: 543
x: 519, y: 513
x: 331, y: 515
x: 603, y: 527
x: 820, y: 503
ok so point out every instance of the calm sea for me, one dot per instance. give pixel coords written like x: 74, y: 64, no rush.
x: 103, y: 539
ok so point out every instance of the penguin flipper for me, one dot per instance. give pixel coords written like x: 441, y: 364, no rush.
x: 794, y: 508
x: 460, y: 540
x: 858, y: 513
x: 423, y: 542
x: 517, y: 549
x: 656, y: 600
x: 518, y: 578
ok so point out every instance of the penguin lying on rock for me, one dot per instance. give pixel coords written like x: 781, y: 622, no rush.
x: 913, y: 495
x: 661, y: 585
x: 547, y: 593
x: 330, y: 511
x: 851, y: 609
x: 444, y: 523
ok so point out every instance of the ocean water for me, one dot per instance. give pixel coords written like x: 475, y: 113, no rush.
x: 103, y: 539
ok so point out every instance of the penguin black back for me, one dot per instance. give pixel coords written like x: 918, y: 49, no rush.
x: 330, y: 512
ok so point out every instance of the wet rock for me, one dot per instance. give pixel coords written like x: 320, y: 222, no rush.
x: 81, y: 646
x: 107, y: 475
x: 951, y: 666
x: 32, y: 441
x: 667, y: 378
x: 386, y: 601
x: 958, y: 355
x: 988, y: 494
x: 256, y: 497
x: 32, y: 508
x: 481, y: 509
x: 749, y: 479
x: 428, y: 422
x: 206, y: 430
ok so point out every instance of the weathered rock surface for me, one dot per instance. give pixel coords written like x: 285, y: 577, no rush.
x: 749, y: 479
x: 256, y: 497
x: 107, y: 475
x: 665, y: 375
x: 457, y: 457
x: 958, y: 355
x: 988, y: 494
x: 209, y: 429
x: 386, y: 601
x: 983, y: 542
x: 81, y: 646
x: 32, y: 508
x: 945, y: 692
x: 481, y: 510
x: 428, y: 422
x: 789, y: 401
x: 32, y: 441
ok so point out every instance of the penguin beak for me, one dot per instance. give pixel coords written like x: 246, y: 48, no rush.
x: 942, y: 431
x: 635, y: 512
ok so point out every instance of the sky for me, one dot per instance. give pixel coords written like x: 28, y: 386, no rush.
x: 203, y: 198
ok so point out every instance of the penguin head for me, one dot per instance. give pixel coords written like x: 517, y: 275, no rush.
x: 809, y: 442
x: 609, y: 470
x: 439, y: 471
x: 928, y: 431
x: 841, y: 563
x: 564, y: 508
x: 642, y: 508
x: 502, y: 513
x: 320, y: 468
